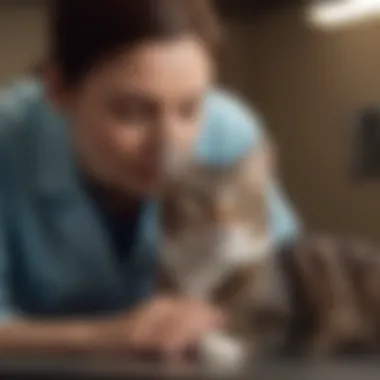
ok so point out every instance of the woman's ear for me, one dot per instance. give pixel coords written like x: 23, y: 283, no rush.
x: 56, y: 88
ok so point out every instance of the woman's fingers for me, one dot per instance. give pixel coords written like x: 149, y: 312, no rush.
x: 171, y: 326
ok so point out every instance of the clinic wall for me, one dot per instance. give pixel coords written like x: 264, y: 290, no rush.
x: 305, y: 82
x: 22, y: 36
x: 308, y: 83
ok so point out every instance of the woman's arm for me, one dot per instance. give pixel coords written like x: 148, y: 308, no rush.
x: 285, y: 223
x: 48, y: 338
x: 231, y: 130
x: 161, y: 326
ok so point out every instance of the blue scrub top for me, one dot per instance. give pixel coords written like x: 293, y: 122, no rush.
x: 57, y: 256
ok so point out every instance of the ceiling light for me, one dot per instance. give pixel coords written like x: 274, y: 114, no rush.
x: 339, y: 13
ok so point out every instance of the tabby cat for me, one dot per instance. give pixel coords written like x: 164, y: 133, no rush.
x: 318, y: 295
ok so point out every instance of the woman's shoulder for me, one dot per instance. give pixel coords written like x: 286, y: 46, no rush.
x: 16, y: 96
x: 18, y: 103
x: 231, y: 128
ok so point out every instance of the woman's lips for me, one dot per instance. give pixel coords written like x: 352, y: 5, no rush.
x: 150, y: 171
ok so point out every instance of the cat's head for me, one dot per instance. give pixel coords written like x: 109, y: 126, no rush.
x: 226, y: 205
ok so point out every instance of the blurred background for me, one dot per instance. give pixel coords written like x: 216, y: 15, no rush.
x: 310, y: 68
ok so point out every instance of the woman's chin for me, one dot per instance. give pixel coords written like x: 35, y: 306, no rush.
x: 146, y: 187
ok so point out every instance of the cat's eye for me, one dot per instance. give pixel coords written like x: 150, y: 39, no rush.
x: 191, y: 208
x: 249, y: 199
x: 228, y: 198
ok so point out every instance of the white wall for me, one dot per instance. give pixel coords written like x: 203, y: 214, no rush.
x: 22, y: 36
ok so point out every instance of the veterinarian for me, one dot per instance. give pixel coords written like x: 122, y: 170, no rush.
x: 80, y: 158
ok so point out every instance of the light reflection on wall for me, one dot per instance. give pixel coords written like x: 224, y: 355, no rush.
x: 340, y: 13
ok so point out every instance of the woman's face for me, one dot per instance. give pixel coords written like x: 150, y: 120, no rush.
x: 127, y: 110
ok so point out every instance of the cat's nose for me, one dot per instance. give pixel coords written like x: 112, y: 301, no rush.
x: 224, y: 219
x: 224, y: 230
x: 218, y: 212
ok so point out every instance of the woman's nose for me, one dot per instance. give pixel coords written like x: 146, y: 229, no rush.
x: 223, y: 218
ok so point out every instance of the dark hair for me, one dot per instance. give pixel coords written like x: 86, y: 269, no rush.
x: 85, y: 32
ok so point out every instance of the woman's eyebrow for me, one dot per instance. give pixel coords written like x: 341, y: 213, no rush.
x: 148, y: 98
x: 138, y: 95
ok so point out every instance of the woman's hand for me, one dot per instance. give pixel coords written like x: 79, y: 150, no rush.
x: 165, y: 326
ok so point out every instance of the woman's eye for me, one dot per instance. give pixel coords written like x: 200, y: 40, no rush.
x: 128, y: 113
x: 131, y: 111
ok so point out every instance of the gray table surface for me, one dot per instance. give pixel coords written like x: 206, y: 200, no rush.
x: 69, y: 368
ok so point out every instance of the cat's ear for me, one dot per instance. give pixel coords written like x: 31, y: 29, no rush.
x: 259, y: 166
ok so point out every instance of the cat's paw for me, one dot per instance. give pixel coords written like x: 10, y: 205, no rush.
x: 221, y: 353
